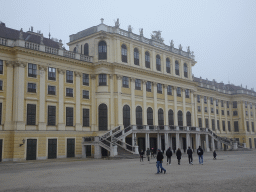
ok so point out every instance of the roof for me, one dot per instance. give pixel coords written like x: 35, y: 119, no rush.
x: 30, y: 36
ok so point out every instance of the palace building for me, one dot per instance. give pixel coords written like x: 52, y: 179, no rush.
x: 113, y: 89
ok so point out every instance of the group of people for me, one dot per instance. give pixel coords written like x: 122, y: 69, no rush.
x: 160, y: 157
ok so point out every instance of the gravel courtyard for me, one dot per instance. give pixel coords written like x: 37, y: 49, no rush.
x: 232, y: 171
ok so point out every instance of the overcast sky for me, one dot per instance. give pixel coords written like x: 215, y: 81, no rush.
x: 222, y: 33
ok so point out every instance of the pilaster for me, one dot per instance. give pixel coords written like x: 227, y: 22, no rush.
x: 144, y: 112
x: 112, y: 111
x: 78, y: 101
x: 193, y: 108
x: 155, y: 104
x: 93, y: 100
x: 165, y: 105
x: 202, y: 109
x: 42, y: 123
x: 184, y: 107
x: 119, y: 99
x: 61, y: 124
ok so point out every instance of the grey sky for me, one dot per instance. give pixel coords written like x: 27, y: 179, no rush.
x: 221, y: 33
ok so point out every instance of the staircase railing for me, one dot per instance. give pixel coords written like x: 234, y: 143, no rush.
x: 124, y: 132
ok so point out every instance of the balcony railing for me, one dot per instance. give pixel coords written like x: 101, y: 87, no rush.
x: 33, y: 46
x: 3, y: 41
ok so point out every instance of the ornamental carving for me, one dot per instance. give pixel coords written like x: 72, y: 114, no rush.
x: 78, y: 74
x: 157, y: 36
x: 119, y: 77
x: 20, y: 64
x: 42, y: 67
x: 61, y: 71
x: 132, y: 79
x: 144, y: 82
x: 9, y: 63
x: 93, y: 76
x: 111, y: 76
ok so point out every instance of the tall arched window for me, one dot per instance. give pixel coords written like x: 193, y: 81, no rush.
x: 124, y: 53
x: 86, y: 49
x: 185, y: 70
x: 158, y: 63
x: 147, y: 59
x: 168, y: 66
x: 180, y: 118
x: 102, y: 50
x: 177, y: 68
x: 74, y: 50
x: 136, y: 57
x: 188, y: 116
x: 150, y: 116
x: 161, y: 118
x: 170, y: 117
x: 126, y: 116
x: 103, y: 117
x: 139, y: 117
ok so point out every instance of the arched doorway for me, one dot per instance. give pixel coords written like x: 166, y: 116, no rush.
x: 103, y: 117
x: 126, y: 116
x: 139, y: 117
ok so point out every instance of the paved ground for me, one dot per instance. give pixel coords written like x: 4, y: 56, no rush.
x: 232, y: 171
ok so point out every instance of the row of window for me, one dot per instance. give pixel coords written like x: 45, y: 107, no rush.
x: 51, y: 118
x: 102, y: 55
x: 32, y: 72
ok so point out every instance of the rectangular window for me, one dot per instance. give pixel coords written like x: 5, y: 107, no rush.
x: 218, y: 125
x: 205, y: 99
x: 217, y: 102
x: 31, y: 114
x: 227, y: 104
x: 187, y: 93
x: 245, y: 104
x: 213, y: 124
x: 69, y: 76
x: 85, y: 94
x: 205, y: 109
x: 86, y: 117
x: 222, y: 112
x: 159, y: 88
x: 252, y: 127
x: 102, y: 79
x: 51, y: 90
x: 198, y: 108
x: 212, y: 110
x: 234, y: 113
x: 247, y: 126
x: 1, y: 85
x: 52, y: 115
x: 250, y: 105
x: 236, y: 126
x: 69, y: 92
x: 32, y: 68
x: 148, y: 86
x: 85, y: 79
x: 222, y: 103
x: 51, y: 73
x: 198, y: 98
x: 228, y: 113
x: 206, y: 123
x: 234, y: 104
x: 200, y: 122
x: 32, y: 87
x: 217, y: 111
x: 0, y: 113
x: 125, y: 82
x: 246, y: 113
x: 229, y: 127
x: 137, y: 84
x: 169, y: 90
x: 178, y: 92
x: 223, y: 126
x: 1, y: 66
x: 211, y: 100
x: 251, y: 113
x: 69, y: 116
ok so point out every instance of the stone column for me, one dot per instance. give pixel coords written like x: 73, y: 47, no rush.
x: 9, y: 95
x: 193, y: 108
x: 97, y: 150
x: 209, y: 114
x: 144, y: 111
x: 132, y: 139
x: 177, y: 141
x: 165, y: 105
x: 42, y: 123
x: 153, y: 61
x: 249, y: 117
x: 142, y: 56
x: 175, y: 106
x: 133, y: 115
x: 155, y: 104
x: 166, y: 141
x: 213, y: 146
x: 173, y: 66
x: 215, y: 115
x: 188, y: 140
x: 202, y: 107
x: 93, y: 100
x: 196, y: 118
x: 78, y: 101
x: 197, y: 140
x: 226, y: 117
x: 131, y: 55
x: 61, y: 123
x: 18, y: 96
x: 112, y: 110
x: 119, y: 99
x: 158, y: 142
x: 184, y: 107
x: 207, y: 142
x: 181, y: 68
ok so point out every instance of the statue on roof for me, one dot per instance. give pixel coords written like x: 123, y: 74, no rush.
x: 157, y: 36
x: 21, y: 34
x: 117, y: 24
x: 129, y: 28
x: 180, y: 47
x: 141, y: 31
x: 172, y: 44
x: 188, y: 49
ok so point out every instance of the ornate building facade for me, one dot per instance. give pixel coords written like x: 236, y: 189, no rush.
x: 51, y: 98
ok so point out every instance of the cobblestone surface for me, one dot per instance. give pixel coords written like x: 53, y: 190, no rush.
x: 232, y: 171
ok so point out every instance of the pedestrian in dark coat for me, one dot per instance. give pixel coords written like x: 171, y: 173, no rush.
x: 141, y: 155
x: 178, y: 154
x: 214, y: 154
x: 190, y: 158
x: 169, y: 155
x: 200, y: 153
x: 159, y: 158
x: 148, y: 154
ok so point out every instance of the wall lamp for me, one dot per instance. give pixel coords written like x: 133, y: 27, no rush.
x: 23, y: 142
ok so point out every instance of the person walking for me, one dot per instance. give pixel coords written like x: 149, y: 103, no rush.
x: 178, y: 154
x: 159, y: 158
x: 214, y: 154
x: 169, y: 155
x: 152, y: 153
x: 200, y: 153
x: 141, y: 155
x: 190, y: 158
x: 148, y: 154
